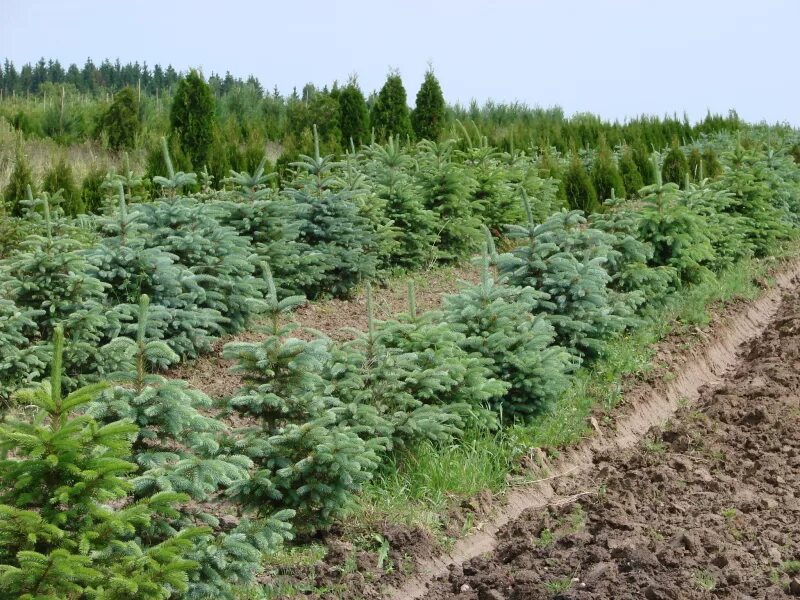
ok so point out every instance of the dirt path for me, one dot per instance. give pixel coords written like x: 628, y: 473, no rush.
x: 707, y: 505
x: 211, y: 375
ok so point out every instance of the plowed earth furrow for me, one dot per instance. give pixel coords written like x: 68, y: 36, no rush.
x: 704, y: 505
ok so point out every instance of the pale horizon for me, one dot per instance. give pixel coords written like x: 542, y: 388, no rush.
x: 618, y: 59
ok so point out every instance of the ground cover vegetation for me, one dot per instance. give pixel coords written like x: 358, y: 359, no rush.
x: 139, y: 486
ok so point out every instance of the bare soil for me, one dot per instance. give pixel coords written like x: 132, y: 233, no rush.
x: 707, y: 505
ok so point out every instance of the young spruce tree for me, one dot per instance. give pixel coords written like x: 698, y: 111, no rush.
x: 60, y: 536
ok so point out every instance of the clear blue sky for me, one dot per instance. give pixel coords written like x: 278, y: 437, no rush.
x: 616, y: 58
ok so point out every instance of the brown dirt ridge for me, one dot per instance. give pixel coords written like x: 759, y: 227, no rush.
x: 704, y: 506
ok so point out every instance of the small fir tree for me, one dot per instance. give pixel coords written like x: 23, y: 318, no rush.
x: 447, y: 190
x: 498, y: 324
x: 333, y: 227
x: 305, y: 461
x: 413, y: 226
x: 60, y: 537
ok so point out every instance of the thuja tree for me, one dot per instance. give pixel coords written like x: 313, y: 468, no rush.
x: 447, y: 191
x: 120, y: 122
x: 498, y: 324
x: 304, y: 459
x: 566, y: 261
x: 177, y: 449
x: 606, y: 177
x: 631, y: 177
x: 60, y: 179
x: 60, y: 537
x: 413, y: 226
x: 191, y: 117
x: 390, y: 115
x: 353, y: 115
x: 21, y: 179
x: 675, y: 166
x: 333, y: 227
x: 578, y: 187
x: 429, y: 113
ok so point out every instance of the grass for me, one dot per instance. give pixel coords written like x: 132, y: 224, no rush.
x: 417, y: 487
x: 705, y: 581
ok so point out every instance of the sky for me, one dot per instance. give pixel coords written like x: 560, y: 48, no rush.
x: 615, y: 58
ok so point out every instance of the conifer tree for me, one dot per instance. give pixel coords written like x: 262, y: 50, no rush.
x: 177, y: 448
x: 92, y: 192
x: 492, y: 197
x: 333, y: 227
x: 695, y: 165
x: 174, y: 182
x: 390, y: 114
x: 130, y: 264
x: 447, y: 189
x: 548, y: 166
x: 413, y: 226
x: 566, y: 261
x: 580, y: 192
x: 428, y: 115
x: 675, y: 167
x: 631, y: 177
x: 677, y: 234
x: 498, y: 324
x: 51, y: 276
x: 711, y: 165
x: 375, y: 382
x: 20, y: 360
x: 353, y: 115
x: 272, y: 222
x: 217, y: 255
x: 59, y: 536
x: 120, y: 122
x: 606, y: 178
x: 305, y: 461
x: 192, y: 117
x: 60, y: 179
x: 647, y: 168
x: 21, y: 179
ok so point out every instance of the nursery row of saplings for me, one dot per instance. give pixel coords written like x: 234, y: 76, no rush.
x: 140, y: 488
